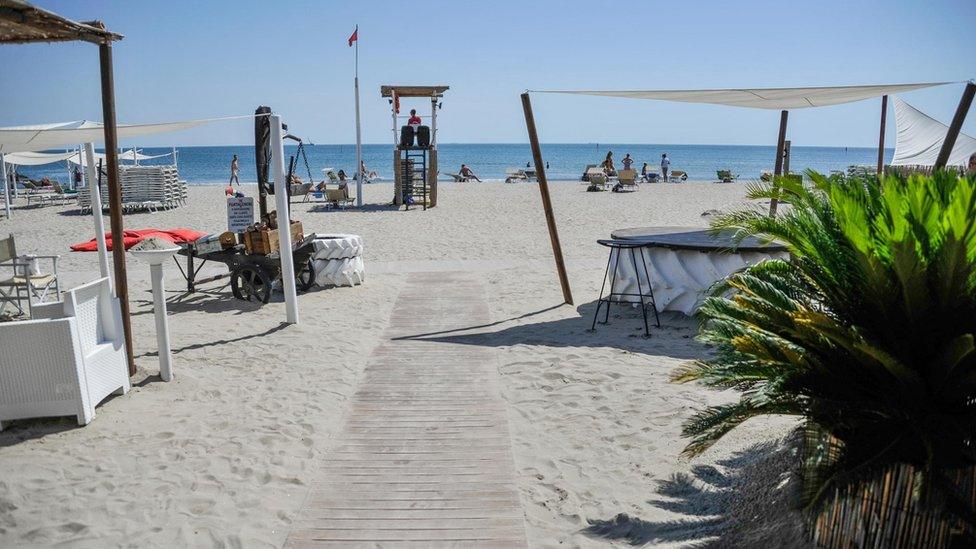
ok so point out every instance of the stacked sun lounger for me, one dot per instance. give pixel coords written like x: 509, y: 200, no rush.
x: 143, y: 188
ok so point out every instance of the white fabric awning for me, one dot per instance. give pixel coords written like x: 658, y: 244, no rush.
x: 763, y: 98
x: 920, y: 137
x: 37, y: 158
x: 70, y: 134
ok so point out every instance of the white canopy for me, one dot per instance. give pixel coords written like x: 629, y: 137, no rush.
x: 41, y: 158
x: 920, y: 137
x: 38, y: 158
x: 70, y: 134
x: 764, y: 98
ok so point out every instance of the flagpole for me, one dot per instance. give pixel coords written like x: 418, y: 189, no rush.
x: 359, y: 144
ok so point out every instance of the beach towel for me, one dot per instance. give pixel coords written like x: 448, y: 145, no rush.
x: 132, y: 237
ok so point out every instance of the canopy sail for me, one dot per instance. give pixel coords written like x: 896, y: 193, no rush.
x: 764, y: 98
x: 919, y: 139
x: 69, y: 134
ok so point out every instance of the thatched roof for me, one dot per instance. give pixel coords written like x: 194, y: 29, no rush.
x: 22, y: 23
x: 412, y: 91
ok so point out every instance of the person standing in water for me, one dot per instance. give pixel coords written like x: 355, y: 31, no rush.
x: 665, y: 164
x: 234, y: 168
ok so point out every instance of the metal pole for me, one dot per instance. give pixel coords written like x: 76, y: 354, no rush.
x: 950, y: 141
x: 175, y: 164
x: 115, y: 195
x: 881, y: 138
x: 359, y: 138
x: 780, y: 146
x: 540, y: 170
x: 96, y: 205
x: 284, y: 222
x: 6, y: 186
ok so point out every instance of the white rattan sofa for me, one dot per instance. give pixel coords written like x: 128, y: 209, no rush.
x: 66, y: 360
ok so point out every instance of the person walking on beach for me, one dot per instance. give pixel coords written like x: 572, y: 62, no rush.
x: 665, y: 164
x: 467, y: 173
x: 234, y: 168
x: 628, y: 161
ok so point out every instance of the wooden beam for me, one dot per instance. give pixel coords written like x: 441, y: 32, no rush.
x: 780, y: 147
x: 954, y: 128
x: 115, y: 194
x: 540, y: 170
x: 881, y: 139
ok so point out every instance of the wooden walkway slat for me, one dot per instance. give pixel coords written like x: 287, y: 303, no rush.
x: 423, y: 458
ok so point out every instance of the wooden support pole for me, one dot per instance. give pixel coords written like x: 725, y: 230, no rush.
x: 115, y: 194
x: 540, y: 170
x: 780, y: 147
x: 881, y: 139
x: 954, y: 128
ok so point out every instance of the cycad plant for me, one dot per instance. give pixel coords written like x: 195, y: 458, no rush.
x: 867, y: 331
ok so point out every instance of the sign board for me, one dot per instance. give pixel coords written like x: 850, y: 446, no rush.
x: 240, y: 213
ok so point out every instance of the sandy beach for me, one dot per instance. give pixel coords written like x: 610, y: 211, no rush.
x: 225, y: 455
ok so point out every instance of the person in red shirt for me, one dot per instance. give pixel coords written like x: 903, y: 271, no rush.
x: 414, y: 119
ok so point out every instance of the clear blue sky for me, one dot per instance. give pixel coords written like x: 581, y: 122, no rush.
x: 190, y: 59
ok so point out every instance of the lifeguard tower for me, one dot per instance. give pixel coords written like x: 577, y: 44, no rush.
x: 415, y: 150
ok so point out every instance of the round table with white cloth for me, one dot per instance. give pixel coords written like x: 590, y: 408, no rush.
x: 683, y: 263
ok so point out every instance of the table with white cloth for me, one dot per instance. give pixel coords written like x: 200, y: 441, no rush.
x: 683, y: 263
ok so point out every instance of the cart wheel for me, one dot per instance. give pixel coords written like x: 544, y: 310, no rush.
x: 305, y: 277
x: 251, y: 283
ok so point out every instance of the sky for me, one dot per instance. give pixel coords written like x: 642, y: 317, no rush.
x: 189, y: 59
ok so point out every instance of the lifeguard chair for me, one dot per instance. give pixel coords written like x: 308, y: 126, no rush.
x: 414, y: 153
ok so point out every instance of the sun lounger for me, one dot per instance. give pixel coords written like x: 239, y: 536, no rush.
x: 627, y: 179
x: 677, y: 176
x: 726, y: 176
x: 514, y: 175
x: 585, y: 178
x: 458, y: 178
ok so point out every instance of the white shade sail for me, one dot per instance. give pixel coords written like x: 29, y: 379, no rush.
x: 920, y: 137
x: 70, y: 134
x: 41, y: 158
x: 763, y: 98
x: 37, y: 158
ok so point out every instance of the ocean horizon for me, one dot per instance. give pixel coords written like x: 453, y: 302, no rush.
x: 210, y: 165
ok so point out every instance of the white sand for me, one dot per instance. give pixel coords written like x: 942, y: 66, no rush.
x: 223, y: 456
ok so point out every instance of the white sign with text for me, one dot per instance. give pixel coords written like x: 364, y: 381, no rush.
x: 240, y: 213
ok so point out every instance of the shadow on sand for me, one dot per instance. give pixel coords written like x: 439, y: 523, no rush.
x: 625, y: 331
x: 719, y: 509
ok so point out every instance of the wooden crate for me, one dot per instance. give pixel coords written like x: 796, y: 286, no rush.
x: 265, y: 241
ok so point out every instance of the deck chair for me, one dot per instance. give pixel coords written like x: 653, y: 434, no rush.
x: 677, y: 176
x: 627, y: 179
x: 338, y: 198
x: 585, y: 178
x: 591, y: 171
x: 458, y: 178
x: 37, y: 194
x: 26, y: 280
x: 726, y: 176
x: 514, y: 175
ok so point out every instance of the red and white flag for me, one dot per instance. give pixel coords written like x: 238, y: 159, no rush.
x: 354, y: 37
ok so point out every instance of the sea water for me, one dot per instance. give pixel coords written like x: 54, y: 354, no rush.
x: 211, y: 165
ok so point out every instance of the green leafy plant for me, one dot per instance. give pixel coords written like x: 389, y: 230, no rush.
x: 866, y: 332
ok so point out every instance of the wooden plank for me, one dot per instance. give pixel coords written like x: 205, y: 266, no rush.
x: 424, y: 456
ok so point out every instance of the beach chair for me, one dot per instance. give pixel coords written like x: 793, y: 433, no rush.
x: 627, y: 179
x: 514, y: 175
x: 26, y: 280
x: 585, y: 178
x: 458, y: 178
x: 677, y: 176
x: 37, y: 194
x: 301, y: 189
x: 593, y: 170
x: 726, y: 176
x: 598, y: 180
x: 65, y: 360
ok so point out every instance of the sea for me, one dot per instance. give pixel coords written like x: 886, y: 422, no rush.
x: 211, y: 165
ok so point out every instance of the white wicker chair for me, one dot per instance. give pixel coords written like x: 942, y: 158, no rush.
x: 66, y: 360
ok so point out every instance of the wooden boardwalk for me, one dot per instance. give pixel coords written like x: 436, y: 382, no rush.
x: 424, y: 456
